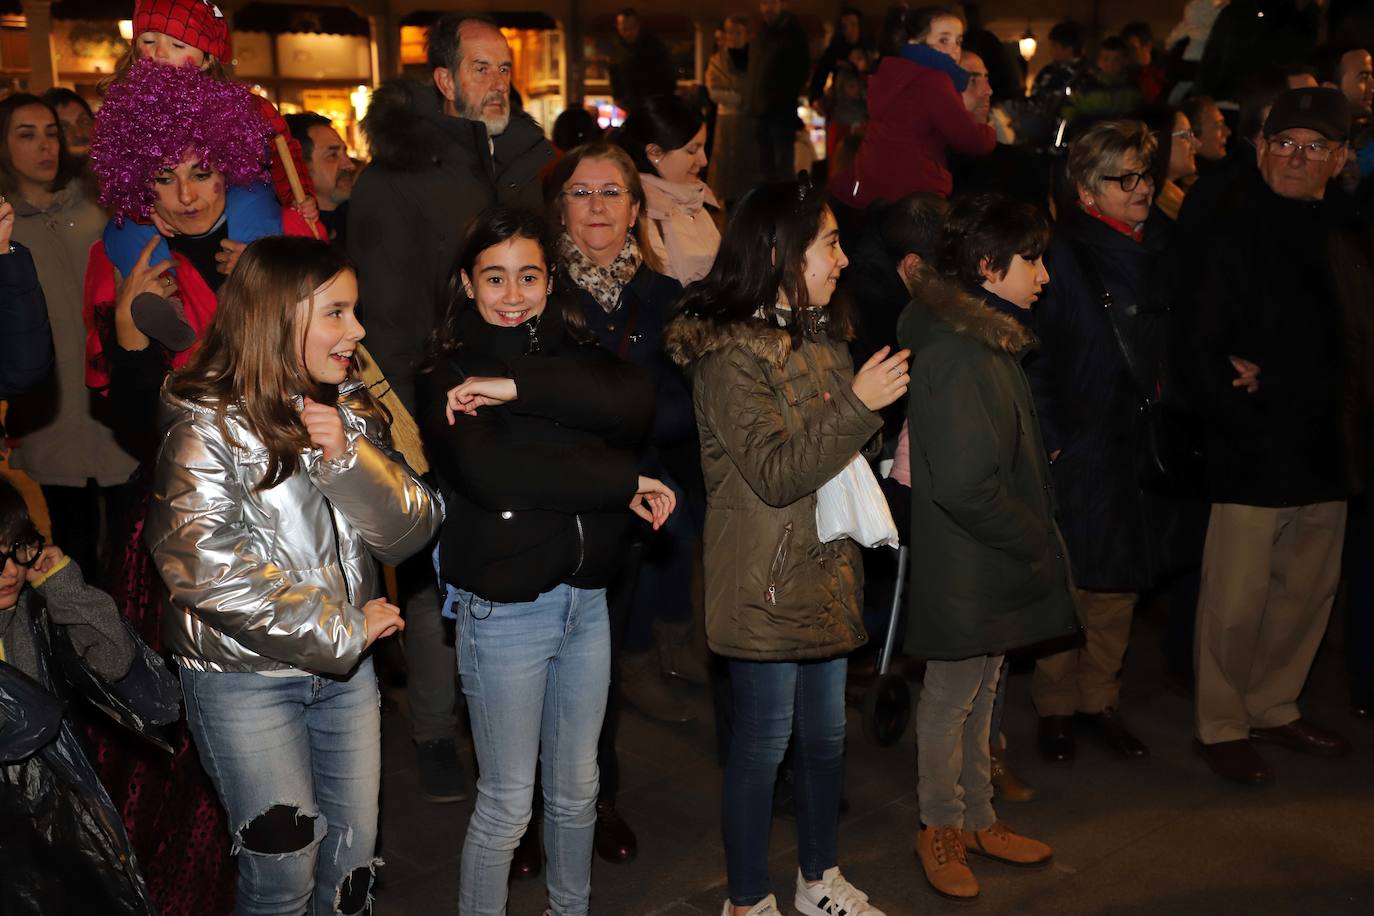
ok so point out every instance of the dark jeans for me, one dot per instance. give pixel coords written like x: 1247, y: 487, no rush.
x: 774, y: 701
x: 776, y: 135
x: 90, y: 524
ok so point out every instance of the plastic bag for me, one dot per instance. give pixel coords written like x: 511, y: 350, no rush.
x: 851, y: 504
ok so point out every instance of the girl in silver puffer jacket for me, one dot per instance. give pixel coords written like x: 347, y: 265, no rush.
x: 276, y: 493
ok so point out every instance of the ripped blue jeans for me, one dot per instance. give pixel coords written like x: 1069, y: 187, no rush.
x: 297, y: 764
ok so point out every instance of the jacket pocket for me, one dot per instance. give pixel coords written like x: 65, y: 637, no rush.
x: 775, y: 569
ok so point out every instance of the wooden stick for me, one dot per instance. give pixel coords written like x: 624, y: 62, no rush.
x: 289, y: 164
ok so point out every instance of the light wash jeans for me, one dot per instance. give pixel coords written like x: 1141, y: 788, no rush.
x: 313, y: 746
x: 775, y: 702
x: 953, y: 721
x: 535, y: 675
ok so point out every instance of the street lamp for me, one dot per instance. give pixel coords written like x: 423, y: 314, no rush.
x: 1027, y: 44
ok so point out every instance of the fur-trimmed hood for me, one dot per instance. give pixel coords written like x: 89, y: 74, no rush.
x: 407, y: 129
x: 405, y: 124
x: 967, y: 316
x: 687, y: 338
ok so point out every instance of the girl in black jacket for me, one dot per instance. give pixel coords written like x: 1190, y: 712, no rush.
x: 534, y: 431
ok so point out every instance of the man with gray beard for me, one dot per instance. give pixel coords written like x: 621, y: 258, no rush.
x: 442, y: 152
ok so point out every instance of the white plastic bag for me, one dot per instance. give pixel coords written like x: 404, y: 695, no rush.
x: 852, y: 505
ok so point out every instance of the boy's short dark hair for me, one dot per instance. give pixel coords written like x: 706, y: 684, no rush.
x: 1068, y: 34
x: 58, y: 96
x: 914, y: 225
x: 994, y: 228
x: 1140, y: 31
x: 1112, y: 43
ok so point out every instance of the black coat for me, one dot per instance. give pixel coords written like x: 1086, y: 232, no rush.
x: 779, y: 62
x: 26, y: 345
x: 431, y: 175
x: 633, y: 331
x: 1267, y: 293
x: 641, y: 70
x: 1090, y: 404
x: 538, y: 490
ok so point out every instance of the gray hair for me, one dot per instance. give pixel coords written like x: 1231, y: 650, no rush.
x: 1098, y: 151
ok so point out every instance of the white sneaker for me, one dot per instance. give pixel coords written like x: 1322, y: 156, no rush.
x: 768, y: 906
x: 834, y: 896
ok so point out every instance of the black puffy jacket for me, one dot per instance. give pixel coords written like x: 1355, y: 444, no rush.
x: 539, y: 489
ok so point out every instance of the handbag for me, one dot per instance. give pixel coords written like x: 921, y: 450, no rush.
x: 852, y: 505
x: 1169, y: 457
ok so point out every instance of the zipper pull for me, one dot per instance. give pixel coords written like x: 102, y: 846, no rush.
x: 772, y: 594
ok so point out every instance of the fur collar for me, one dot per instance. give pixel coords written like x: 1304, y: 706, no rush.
x: 968, y: 317
x: 688, y: 339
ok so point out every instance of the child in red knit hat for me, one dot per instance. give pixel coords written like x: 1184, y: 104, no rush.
x: 195, y: 32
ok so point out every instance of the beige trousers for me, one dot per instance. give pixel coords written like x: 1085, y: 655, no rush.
x: 1269, y: 577
x: 1085, y: 678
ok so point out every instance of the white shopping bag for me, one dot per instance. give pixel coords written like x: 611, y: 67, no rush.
x: 851, y: 504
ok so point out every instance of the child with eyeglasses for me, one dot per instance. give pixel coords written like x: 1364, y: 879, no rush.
x: 62, y: 838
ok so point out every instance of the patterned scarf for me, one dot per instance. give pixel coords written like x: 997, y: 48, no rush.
x: 602, y: 283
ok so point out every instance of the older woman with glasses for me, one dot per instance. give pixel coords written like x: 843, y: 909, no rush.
x: 614, y: 274
x: 1094, y: 366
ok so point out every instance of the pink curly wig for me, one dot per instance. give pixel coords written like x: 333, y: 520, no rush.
x: 155, y: 114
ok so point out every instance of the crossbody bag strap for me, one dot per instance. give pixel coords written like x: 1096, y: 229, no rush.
x: 1104, y: 298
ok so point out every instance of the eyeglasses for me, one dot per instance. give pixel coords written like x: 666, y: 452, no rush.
x: 610, y: 195
x: 24, y: 551
x: 1130, y: 181
x: 1316, y: 151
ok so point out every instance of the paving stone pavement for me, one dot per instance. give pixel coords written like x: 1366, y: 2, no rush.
x: 1159, y: 836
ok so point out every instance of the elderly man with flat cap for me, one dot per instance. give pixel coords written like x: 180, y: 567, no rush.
x: 1268, y: 358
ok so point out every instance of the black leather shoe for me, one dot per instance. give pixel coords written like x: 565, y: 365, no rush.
x: 1108, y: 727
x: 1305, y: 738
x: 529, y: 855
x: 1056, y: 738
x: 1236, y: 761
x: 615, y: 841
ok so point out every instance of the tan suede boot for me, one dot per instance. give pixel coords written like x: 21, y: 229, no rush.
x: 998, y: 842
x: 1006, y: 785
x: 941, y: 851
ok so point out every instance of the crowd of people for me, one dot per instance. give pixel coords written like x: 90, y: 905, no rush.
x: 1107, y: 343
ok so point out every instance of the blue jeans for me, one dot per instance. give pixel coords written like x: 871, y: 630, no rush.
x: 775, y: 701
x: 297, y: 763
x: 535, y: 675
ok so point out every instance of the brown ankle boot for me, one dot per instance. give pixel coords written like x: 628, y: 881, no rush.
x: 1006, y: 785
x: 998, y: 842
x: 941, y: 851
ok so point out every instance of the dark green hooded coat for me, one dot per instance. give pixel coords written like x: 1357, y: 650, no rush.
x: 988, y: 568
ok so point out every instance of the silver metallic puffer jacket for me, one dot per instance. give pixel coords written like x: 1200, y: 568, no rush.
x: 274, y: 579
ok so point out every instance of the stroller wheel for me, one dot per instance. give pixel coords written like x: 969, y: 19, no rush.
x: 887, y: 709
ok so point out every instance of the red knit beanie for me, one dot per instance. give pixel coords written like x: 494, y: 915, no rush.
x: 198, y: 23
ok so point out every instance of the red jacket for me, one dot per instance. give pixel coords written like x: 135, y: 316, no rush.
x: 914, y: 116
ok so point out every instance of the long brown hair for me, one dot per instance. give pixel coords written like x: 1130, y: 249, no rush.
x: 629, y: 175
x: 248, y: 359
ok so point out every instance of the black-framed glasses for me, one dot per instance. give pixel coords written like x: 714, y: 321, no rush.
x: 25, y: 550
x: 1130, y: 180
x: 1316, y: 150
